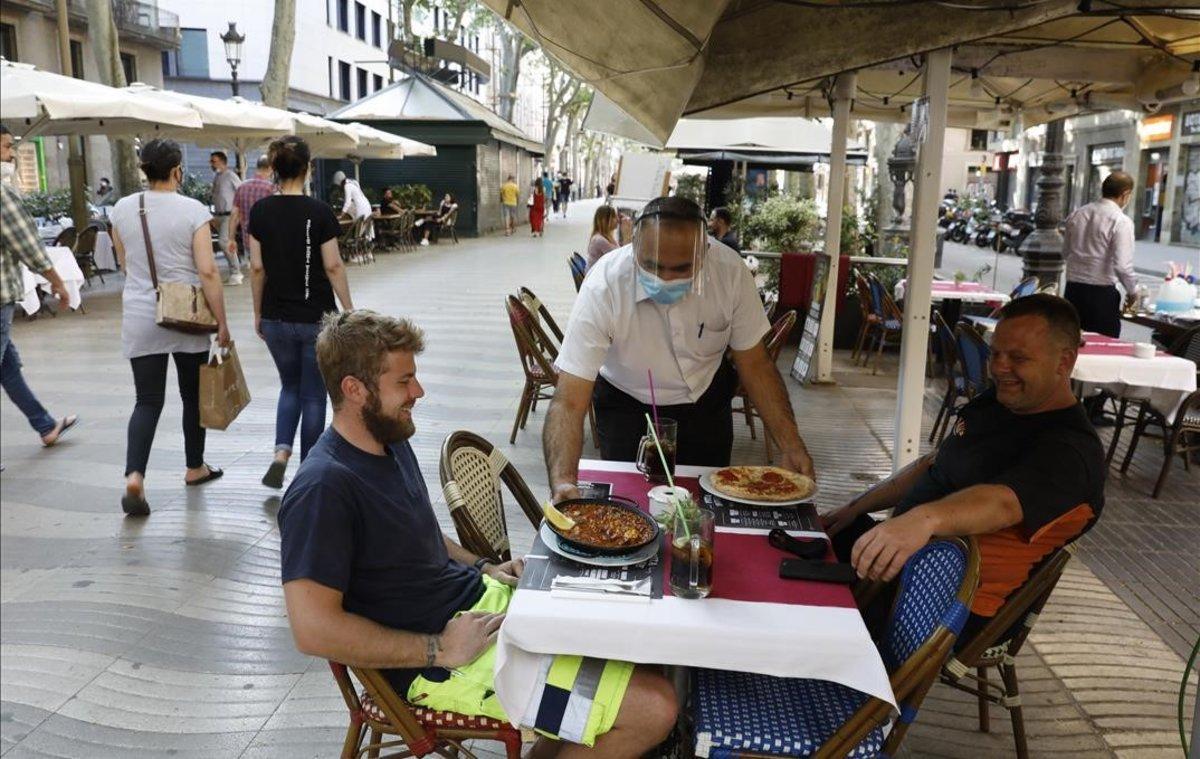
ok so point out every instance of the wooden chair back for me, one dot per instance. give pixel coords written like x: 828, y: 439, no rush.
x: 450, y: 225
x: 1187, y: 345
x: 577, y: 272
x: 472, y: 471
x: 539, y: 311
x: 949, y: 349
x: 778, y: 336
x: 536, y: 351
x: 85, y: 242
x: 66, y: 238
x: 865, y: 299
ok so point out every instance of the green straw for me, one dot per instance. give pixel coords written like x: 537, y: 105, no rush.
x: 687, y: 531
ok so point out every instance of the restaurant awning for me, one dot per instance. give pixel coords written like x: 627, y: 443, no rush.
x: 790, y: 143
x: 658, y: 60
x: 35, y: 102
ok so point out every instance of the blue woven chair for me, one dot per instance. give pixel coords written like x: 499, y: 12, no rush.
x: 973, y: 355
x: 738, y: 714
x: 955, y: 384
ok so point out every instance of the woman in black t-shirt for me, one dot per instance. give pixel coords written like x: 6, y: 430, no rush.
x: 295, y: 270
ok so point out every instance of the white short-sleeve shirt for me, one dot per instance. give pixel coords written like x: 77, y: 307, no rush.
x: 616, y: 331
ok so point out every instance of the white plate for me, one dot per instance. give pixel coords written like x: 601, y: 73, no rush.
x: 708, y: 487
x: 550, y: 538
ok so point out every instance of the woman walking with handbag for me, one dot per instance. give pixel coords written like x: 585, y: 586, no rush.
x: 164, y: 246
x: 295, y: 270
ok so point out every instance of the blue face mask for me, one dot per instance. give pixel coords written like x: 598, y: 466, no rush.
x: 663, y: 291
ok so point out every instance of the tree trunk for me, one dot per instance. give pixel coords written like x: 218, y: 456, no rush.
x: 274, y: 85
x: 106, y: 46
x: 514, y: 46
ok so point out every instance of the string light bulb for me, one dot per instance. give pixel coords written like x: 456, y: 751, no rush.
x: 1191, y: 85
x: 976, y: 88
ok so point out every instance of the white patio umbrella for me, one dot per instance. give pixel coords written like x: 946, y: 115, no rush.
x: 236, y: 121
x: 35, y: 102
x: 326, y: 138
x: 376, y: 143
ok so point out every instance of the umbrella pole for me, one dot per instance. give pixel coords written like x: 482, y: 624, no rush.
x: 843, y: 95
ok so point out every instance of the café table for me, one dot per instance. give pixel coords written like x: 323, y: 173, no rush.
x: 68, y: 270
x: 753, y: 621
x: 1169, y: 326
x: 951, y: 295
x: 104, y: 255
x: 1108, y: 363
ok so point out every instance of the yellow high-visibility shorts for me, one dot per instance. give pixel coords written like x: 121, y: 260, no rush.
x: 577, y: 697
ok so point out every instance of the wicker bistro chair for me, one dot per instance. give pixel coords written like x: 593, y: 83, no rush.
x: 998, y: 643
x: 538, y: 310
x: 776, y: 339
x: 747, y: 715
x: 379, y: 709
x: 869, y: 318
x: 889, y: 320
x: 955, y: 383
x: 973, y: 355
x: 472, y: 470
x: 85, y: 254
x: 577, y: 270
x: 347, y: 240
x: 362, y: 233
x: 66, y: 238
x: 537, y: 354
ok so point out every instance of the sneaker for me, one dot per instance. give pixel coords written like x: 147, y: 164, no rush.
x: 235, y: 279
x: 425, y: 242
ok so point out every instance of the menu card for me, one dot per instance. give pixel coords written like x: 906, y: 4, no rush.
x: 542, y: 565
x: 801, y: 520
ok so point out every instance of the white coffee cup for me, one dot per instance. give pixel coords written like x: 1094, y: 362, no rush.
x: 660, y: 497
x: 1144, y: 350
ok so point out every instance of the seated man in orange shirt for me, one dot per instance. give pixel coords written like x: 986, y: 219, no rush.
x: 1023, y: 469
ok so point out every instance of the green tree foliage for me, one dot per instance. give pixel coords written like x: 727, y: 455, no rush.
x: 691, y: 186
x: 48, y: 204
x: 783, y: 223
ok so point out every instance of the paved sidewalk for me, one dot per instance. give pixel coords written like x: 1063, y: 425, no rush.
x: 169, y: 637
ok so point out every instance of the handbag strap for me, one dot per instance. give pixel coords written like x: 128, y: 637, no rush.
x: 146, y: 239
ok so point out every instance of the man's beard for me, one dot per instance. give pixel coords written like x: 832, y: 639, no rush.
x: 385, y: 429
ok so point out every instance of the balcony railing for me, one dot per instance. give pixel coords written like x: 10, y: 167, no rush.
x: 146, y: 18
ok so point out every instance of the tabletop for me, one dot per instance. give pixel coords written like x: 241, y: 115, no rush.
x: 752, y: 622
x: 966, y: 292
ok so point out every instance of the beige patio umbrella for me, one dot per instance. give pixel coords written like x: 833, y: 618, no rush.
x: 657, y: 60
x: 35, y: 102
x: 235, y: 121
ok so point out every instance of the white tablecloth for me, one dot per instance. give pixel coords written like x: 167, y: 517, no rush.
x: 768, y: 638
x: 106, y: 259
x: 1164, y: 380
x: 943, y: 290
x: 64, y: 264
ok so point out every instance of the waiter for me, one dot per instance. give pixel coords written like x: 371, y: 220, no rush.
x: 672, y: 303
x: 1098, y: 251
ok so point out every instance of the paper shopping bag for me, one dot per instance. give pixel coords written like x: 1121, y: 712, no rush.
x: 223, y: 389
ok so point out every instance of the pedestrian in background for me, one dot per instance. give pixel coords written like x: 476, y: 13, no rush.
x: 177, y: 228
x: 604, y: 231
x: 224, y: 185
x: 564, y: 191
x: 537, y: 210
x: 295, y: 271
x: 509, y: 193
x: 248, y: 193
x: 1098, y: 252
x: 20, y: 244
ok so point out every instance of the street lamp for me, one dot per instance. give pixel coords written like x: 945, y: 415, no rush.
x: 233, y: 53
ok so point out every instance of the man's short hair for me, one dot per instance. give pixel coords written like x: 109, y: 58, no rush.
x: 356, y: 344
x: 722, y: 213
x: 219, y: 154
x: 264, y: 161
x: 673, y: 207
x: 1116, y: 184
x: 1060, y: 315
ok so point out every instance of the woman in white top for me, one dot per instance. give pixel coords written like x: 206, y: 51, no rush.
x: 182, y: 247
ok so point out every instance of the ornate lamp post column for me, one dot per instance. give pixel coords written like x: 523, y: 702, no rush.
x: 233, y: 53
x: 1042, y: 251
x: 901, y: 166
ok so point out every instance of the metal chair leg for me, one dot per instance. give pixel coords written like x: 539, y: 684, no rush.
x: 984, y: 721
x: 1168, y: 459
x: 1139, y: 429
x: 1116, y: 433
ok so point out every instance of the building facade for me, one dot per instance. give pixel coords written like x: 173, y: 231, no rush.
x: 29, y: 34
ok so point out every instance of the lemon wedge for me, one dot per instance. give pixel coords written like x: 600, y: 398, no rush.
x: 558, y: 519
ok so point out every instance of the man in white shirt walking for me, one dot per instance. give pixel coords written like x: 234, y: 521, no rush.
x: 672, y: 303
x: 355, y: 204
x: 224, y: 185
x: 1098, y: 251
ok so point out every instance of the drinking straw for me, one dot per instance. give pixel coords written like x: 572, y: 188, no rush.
x: 653, y: 404
x: 687, y: 531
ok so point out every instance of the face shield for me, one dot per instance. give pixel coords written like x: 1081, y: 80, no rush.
x: 669, y: 246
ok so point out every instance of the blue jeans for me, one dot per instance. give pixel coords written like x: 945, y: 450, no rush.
x: 293, y: 345
x: 14, y: 381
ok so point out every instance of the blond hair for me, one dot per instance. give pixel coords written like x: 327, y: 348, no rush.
x: 604, y: 222
x: 357, y: 343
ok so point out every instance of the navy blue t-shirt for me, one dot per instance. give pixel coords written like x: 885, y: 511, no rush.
x: 362, y: 524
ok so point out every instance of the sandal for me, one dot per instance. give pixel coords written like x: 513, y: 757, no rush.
x: 135, y: 505
x: 274, y: 476
x: 66, y: 423
x: 213, y: 474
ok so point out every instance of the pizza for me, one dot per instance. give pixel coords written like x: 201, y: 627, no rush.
x: 762, y: 483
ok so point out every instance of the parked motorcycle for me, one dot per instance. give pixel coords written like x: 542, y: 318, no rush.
x: 1015, y: 226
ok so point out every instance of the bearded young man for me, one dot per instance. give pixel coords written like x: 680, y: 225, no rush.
x: 371, y: 581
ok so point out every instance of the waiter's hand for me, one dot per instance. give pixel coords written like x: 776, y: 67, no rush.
x: 564, y: 491
x: 798, y: 460
x: 59, y: 288
x: 1130, y: 301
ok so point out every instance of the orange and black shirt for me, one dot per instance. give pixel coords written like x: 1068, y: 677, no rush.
x: 1053, y: 461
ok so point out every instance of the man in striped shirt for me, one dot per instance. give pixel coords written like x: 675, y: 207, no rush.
x: 248, y: 193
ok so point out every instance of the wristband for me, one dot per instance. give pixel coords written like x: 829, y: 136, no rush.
x: 481, y: 563
x: 431, y: 649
